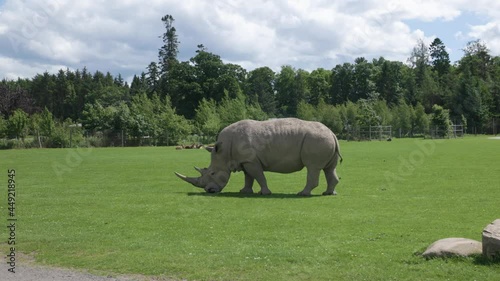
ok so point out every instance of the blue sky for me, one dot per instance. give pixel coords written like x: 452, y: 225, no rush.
x: 123, y: 36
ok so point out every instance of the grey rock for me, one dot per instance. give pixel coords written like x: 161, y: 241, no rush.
x: 491, y: 240
x: 450, y: 247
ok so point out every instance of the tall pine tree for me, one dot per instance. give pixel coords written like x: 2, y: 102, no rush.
x: 440, y: 59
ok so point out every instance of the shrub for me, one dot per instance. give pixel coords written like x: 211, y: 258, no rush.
x: 440, y: 121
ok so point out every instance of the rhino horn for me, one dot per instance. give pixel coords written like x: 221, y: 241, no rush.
x: 193, y: 181
x: 198, y: 169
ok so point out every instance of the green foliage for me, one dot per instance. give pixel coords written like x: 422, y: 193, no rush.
x: 367, y: 116
x: 143, y: 122
x: 388, y: 81
x: 3, y: 127
x: 206, y: 94
x: 168, y: 52
x: 212, y: 117
x: 260, y: 89
x: 306, y: 111
x: 330, y: 116
x: 46, y: 124
x: 349, y: 116
x: 324, y: 113
x: 42, y: 125
x: 464, y: 122
x: 96, y: 117
x: 440, y: 121
x: 440, y: 57
x: 232, y: 110
x: 363, y: 84
x: 421, y: 121
x: 151, y: 119
x: 319, y: 86
x: 171, y: 126
x: 18, y: 124
x: 66, y: 134
x: 288, y: 92
x: 382, y: 111
x: 207, y: 118
x: 255, y: 112
x: 156, y: 119
x: 342, y: 81
x: 403, y: 114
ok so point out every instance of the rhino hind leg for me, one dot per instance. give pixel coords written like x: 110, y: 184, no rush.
x: 247, y: 189
x: 331, y: 180
x: 255, y: 171
x: 312, y: 181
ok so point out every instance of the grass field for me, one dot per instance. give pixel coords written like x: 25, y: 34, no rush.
x: 122, y: 210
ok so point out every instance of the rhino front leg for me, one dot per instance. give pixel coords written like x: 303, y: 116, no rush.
x: 247, y: 189
x: 312, y: 181
x: 255, y: 171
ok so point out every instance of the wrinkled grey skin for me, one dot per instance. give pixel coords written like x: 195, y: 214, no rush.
x: 280, y: 145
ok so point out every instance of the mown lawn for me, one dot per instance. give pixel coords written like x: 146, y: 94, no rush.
x: 122, y: 210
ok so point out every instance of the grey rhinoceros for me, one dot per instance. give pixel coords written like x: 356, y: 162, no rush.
x: 278, y: 145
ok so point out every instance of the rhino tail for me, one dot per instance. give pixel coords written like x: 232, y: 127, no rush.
x: 337, y: 149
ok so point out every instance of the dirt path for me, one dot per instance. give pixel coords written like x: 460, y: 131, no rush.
x: 27, y: 270
x: 37, y: 273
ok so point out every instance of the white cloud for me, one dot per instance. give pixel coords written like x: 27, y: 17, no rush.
x: 428, y: 10
x: 12, y: 68
x: 488, y: 33
x: 123, y: 36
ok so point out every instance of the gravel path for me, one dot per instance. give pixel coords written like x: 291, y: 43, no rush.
x: 38, y: 273
x: 27, y: 270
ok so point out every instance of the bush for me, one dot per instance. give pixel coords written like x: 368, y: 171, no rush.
x: 440, y: 121
x: 17, y: 144
x: 65, y: 136
x: 6, y: 144
x: 3, y: 127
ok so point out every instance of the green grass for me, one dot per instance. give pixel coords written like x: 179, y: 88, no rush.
x: 122, y: 210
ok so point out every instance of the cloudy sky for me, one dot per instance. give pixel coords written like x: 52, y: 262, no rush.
x: 122, y: 36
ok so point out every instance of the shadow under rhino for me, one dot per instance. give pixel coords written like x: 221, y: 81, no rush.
x: 256, y: 196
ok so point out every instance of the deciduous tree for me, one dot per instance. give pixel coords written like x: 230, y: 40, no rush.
x: 260, y: 89
x: 18, y: 124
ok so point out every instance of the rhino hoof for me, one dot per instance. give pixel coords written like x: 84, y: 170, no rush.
x: 246, y: 191
x: 212, y: 190
x: 302, y: 193
x: 268, y: 192
x: 330, y: 193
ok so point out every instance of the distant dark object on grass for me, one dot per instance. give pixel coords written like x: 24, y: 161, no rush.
x: 192, y: 146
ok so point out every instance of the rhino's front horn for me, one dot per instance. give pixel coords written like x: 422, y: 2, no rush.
x: 193, y: 181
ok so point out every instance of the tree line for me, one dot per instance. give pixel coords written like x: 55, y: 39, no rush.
x: 173, y: 100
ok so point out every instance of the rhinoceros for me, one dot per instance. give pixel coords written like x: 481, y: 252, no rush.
x: 284, y: 145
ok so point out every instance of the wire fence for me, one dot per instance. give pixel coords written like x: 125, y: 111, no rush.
x: 454, y: 131
x: 386, y: 133
x: 370, y: 133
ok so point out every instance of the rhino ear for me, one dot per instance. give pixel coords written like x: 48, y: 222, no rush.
x: 216, y: 147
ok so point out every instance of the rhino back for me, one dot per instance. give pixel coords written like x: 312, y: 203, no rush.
x: 280, y: 145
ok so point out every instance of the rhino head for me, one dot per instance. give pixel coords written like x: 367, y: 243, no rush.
x: 214, y: 178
